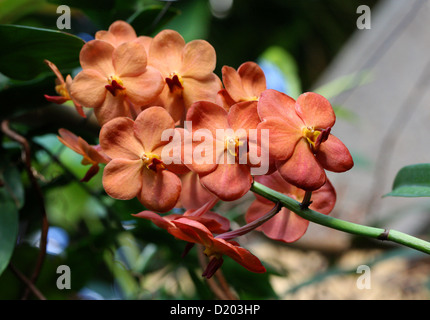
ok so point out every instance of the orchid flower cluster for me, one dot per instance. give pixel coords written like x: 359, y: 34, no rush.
x: 175, y: 135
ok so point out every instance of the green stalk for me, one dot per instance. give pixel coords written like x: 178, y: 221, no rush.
x: 338, y: 224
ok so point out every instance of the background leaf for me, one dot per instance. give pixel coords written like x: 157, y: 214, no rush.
x: 412, y: 181
x: 30, y: 46
x: 8, y: 228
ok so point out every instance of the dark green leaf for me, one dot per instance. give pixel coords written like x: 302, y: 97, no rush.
x: 151, y: 18
x: 25, y: 48
x: 412, y: 181
x: 8, y: 228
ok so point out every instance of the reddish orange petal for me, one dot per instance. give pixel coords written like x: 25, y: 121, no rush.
x: 324, y: 199
x: 205, y: 89
x: 302, y: 169
x: 97, y: 55
x: 244, y: 115
x: 276, y: 104
x: 207, y: 115
x: 285, y: 226
x: 283, y: 137
x: 155, y: 218
x: 122, y: 178
x: 253, y: 79
x: 193, y: 194
x: 315, y: 110
x: 160, y: 190
x: 228, y: 181
x: 117, y: 139
x: 334, y: 155
x: 54, y: 69
x: 88, y: 88
x: 70, y: 140
x: 233, y: 84
x: 112, y: 107
x: 199, y: 59
x: 150, y: 125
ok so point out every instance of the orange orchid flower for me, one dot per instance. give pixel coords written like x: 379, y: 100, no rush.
x: 194, y: 231
x: 187, y: 70
x: 62, y: 87
x: 300, y: 139
x: 115, y: 81
x: 120, y: 32
x: 136, y: 168
x: 227, y: 174
x: 245, y: 84
x: 93, y: 155
x: 287, y: 226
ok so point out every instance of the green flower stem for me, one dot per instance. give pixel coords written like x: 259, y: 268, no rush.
x: 338, y: 224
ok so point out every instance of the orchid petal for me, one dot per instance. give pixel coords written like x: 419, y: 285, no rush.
x: 122, y: 178
x: 88, y: 88
x: 129, y: 59
x: 315, y: 110
x: 199, y: 59
x: 334, y: 155
x: 97, y: 55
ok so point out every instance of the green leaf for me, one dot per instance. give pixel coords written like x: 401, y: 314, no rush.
x: 8, y: 228
x: 151, y: 18
x: 12, y: 10
x: 25, y: 48
x: 412, y: 181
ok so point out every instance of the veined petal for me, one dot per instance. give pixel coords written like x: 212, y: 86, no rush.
x: 244, y: 115
x: 160, y: 190
x: 155, y: 218
x: 70, y: 140
x: 253, y: 79
x: 302, y: 169
x: 193, y: 195
x: 118, y: 33
x: 165, y: 52
x: 233, y: 83
x: 88, y: 88
x: 207, y: 115
x: 276, y: 104
x: 112, y: 107
x: 145, y: 87
x: 324, y: 199
x: 334, y: 155
x: 228, y: 181
x: 285, y: 226
x: 315, y: 110
x: 129, y: 59
x: 117, y: 139
x: 150, y: 125
x: 283, y: 137
x: 97, y: 55
x: 122, y: 178
x: 204, y: 89
x: 199, y: 59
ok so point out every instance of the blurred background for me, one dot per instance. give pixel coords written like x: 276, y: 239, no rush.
x: 376, y: 80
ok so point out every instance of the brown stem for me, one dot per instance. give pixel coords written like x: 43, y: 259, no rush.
x: 27, y: 282
x: 26, y: 158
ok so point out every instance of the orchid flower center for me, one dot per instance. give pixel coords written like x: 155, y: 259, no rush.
x: 315, y: 137
x: 175, y: 83
x: 115, y: 86
x: 152, y: 161
x: 62, y: 90
x: 232, y: 144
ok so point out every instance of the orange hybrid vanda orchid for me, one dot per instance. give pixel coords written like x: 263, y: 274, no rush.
x: 115, y: 81
x: 245, y: 84
x: 136, y: 168
x: 300, y: 140
x: 187, y: 70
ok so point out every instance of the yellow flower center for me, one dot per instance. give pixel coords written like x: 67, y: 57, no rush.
x: 152, y: 161
x: 175, y: 83
x: 62, y: 91
x: 232, y: 144
x: 311, y: 135
x: 115, y: 85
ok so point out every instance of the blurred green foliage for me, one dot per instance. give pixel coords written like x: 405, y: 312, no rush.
x: 112, y: 255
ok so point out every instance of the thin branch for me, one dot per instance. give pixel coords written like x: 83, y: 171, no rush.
x: 26, y: 158
x: 27, y: 282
